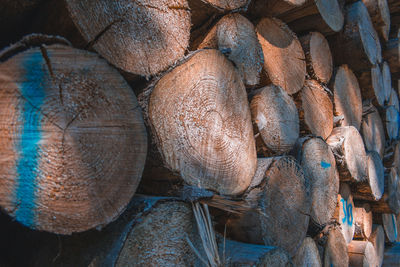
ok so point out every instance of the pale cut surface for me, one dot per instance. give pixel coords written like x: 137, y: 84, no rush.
x: 320, y: 54
x: 227, y: 4
x: 377, y: 239
x: 284, y: 60
x: 73, y: 140
x: 141, y: 37
x: 394, y: 100
x: 380, y: 16
x: 390, y: 225
x: 372, y: 130
x: 277, y: 119
x: 201, y: 119
x: 307, y: 254
x: 335, y: 253
x: 345, y: 215
x: 392, y: 122
x: 347, y: 97
x: 387, y: 80
x: 361, y: 253
x: 331, y: 12
x: 376, y: 177
x: 363, y: 221
x: 371, y: 85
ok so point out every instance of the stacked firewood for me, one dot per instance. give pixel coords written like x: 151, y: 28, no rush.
x: 200, y: 133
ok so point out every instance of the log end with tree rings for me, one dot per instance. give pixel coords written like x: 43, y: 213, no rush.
x: 387, y: 80
x: 319, y: 166
x: 316, y: 111
x: 307, y: 254
x: 284, y: 59
x: 389, y: 222
x: 331, y: 13
x: 200, y: 118
x: 362, y: 221
x: 372, y: 130
x: 392, y: 122
x: 335, y: 250
x: 376, y: 175
x: 276, y: 117
x: 377, y: 239
x: 380, y: 16
x: 227, y: 5
x: 318, y: 56
x: 394, y: 100
x: 351, y: 159
x: 372, y: 87
x: 344, y: 213
x: 140, y: 37
x: 235, y: 36
x: 73, y: 140
x: 393, y: 190
x: 361, y: 253
x: 347, y: 97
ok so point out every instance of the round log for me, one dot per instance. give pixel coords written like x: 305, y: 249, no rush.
x: 284, y: 62
x: 348, y: 148
x: 315, y: 109
x: 392, y: 156
x: 392, y: 122
x: 380, y: 16
x: 377, y: 239
x: 344, y: 212
x: 387, y: 80
x: 390, y: 201
x: 372, y: 130
x: 318, y: 56
x: 307, y: 254
x: 394, y: 100
x: 335, y: 250
x: 235, y: 36
x: 70, y: 127
x: 347, y: 97
x: 389, y: 223
x: 202, y: 129
x: 372, y: 87
x: 276, y: 117
x: 227, y: 5
x: 140, y: 37
x: 361, y: 253
x: 319, y: 166
x: 391, y: 53
x: 362, y: 221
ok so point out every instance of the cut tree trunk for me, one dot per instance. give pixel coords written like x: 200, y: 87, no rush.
x: 391, y: 122
x: 362, y: 221
x: 394, y: 100
x: 344, y: 212
x: 389, y: 223
x: 140, y: 37
x: 351, y: 159
x: 70, y: 126
x: 319, y: 166
x: 361, y: 253
x: 307, y: 254
x: 387, y: 80
x: 390, y: 201
x: 235, y: 36
x: 277, y: 119
x: 318, y: 56
x: 262, y: 8
x: 227, y: 5
x: 315, y: 109
x: 380, y: 16
x: 392, y: 156
x: 202, y: 129
x: 377, y: 239
x: 372, y: 129
x: 372, y: 86
x: 373, y: 188
x: 358, y: 44
x: 335, y: 249
x: 347, y: 97
x: 284, y: 62
x: 391, y: 53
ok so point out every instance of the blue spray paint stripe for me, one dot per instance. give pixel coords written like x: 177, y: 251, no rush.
x: 32, y: 88
x: 395, y: 227
x: 325, y: 165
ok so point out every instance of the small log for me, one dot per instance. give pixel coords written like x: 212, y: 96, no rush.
x: 394, y: 100
x: 315, y: 109
x: 134, y: 36
x: 361, y: 253
x: 392, y: 256
x: 307, y: 254
x: 387, y: 80
x: 70, y: 126
x: 362, y: 221
x: 380, y: 16
x: 372, y: 129
x: 351, y: 159
x: 347, y: 97
x: 277, y: 119
x: 319, y: 166
x: 391, y: 122
x: 377, y: 239
x: 389, y: 223
x: 335, y: 250
x: 284, y: 62
x: 235, y: 36
x: 344, y: 214
x: 358, y: 44
x: 318, y: 56
x: 203, y: 131
x: 373, y: 188
x: 372, y: 87
x: 227, y: 5
x: 390, y: 201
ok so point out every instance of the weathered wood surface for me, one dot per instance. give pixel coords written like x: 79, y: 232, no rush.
x: 390, y: 201
x: 389, y: 223
x: 227, y: 5
x: 380, y: 16
x: 344, y: 213
x: 391, y: 122
x: 73, y: 140
x: 202, y: 129
x: 361, y: 253
x: 392, y: 256
x: 335, y: 249
x: 362, y: 221
x: 391, y: 53
x: 387, y: 80
x: 372, y: 86
x: 377, y: 239
x: 372, y: 130
x: 394, y: 100
x: 307, y: 254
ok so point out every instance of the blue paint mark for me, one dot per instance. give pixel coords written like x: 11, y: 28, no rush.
x: 348, y: 212
x: 325, y: 165
x: 394, y: 227
x: 32, y: 89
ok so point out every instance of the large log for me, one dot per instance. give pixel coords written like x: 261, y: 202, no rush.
x: 372, y: 86
x: 315, y: 109
x: 202, y: 129
x: 139, y: 37
x: 351, y: 159
x: 390, y: 201
x: 347, y: 97
x: 362, y: 221
x: 377, y: 239
x: 319, y: 166
x: 335, y: 249
x: 380, y: 16
x: 277, y: 119
x: 235, y: 36
x: 284, y: 62
x: 307, y: 254
x: 372, y: 130
x: 361, y: 253
x: 70, y: 126
x: 344, y: 212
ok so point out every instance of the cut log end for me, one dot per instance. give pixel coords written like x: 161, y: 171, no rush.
x: 335, y: 250
x: 307, y: 254
x: 361, y: 253
x: 377, y: 239
x: 372, y: 130
x: 363, y: 221
x: 344, y: 213
x: 389, y: 222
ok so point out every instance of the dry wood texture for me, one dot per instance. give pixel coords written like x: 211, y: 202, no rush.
x: 335, y: 250
x: 362, y: 221
x: 392, y: 256
x: 392, y: 156
x: 139, y: 37
x: 387, y: 80
x: 307, y: 254
x: 276, y: 117
x: 380, y: 16
x: 391, y: 122
x: 344, y: 213
x: 73, y: 140
x: 394, y: 100
x: 361, y: 253
x: 227, y: 4
x: 351, y: 159
x: 389, y: 223
x: 390, y: 201
x: 377, y: 239
x: 372, y: 129
x: 372, y: 87
x: 235, y: 36
x: 201, y: 120
x: 391, y: 53
x: 284, y: 60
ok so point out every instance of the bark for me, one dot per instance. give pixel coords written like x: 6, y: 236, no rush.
x: 372, y: 130
x: 361, y: 253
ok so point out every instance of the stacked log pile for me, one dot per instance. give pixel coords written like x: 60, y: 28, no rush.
x: 200, y: 133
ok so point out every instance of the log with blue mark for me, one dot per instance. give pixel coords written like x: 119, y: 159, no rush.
x: 325, y: 165
x: 394, y: 227
x: 33, y: 94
